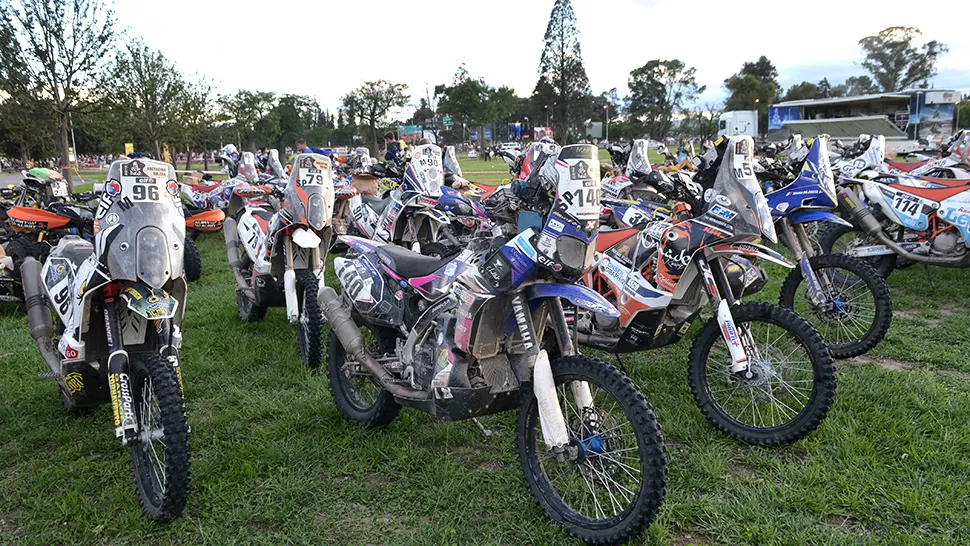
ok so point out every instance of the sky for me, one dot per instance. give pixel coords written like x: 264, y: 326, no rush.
x: 326, y: 49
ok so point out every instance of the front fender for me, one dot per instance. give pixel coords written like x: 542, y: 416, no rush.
x: 805, y: 216
x: 577, y: 294
x: 150, y: 303
x: 751, y: 250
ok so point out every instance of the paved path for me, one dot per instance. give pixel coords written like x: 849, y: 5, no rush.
x: 10, y: 178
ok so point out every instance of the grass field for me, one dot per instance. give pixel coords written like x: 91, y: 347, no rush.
x: 274, y: 463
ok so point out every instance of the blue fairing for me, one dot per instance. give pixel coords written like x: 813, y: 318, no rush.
x: 810, y: 189
x: 806, y: 216
x: 575, y: 293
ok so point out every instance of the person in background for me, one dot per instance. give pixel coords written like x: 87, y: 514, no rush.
x: 301, y: 147
x: 392, y: 149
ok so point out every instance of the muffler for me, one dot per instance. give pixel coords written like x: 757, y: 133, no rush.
x: 862, y: 217
x: 350, y: 337
x: 235, y: 262
x: 39, y: 317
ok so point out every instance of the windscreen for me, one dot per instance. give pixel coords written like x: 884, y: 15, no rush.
x: 273, y: 165
x: 247, y: 168
x: 960, y: 148
x: 737, y: 198
x: 638, y: 164
x: 139, y: 224
x: 424, y: 172
x: 451, y: 161
x: 309, y: 194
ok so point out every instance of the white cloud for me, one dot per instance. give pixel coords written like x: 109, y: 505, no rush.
x: 325, y: 49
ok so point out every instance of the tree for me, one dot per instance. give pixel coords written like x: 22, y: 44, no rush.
x: 197, y: 119
x: 856, y: 85
x: 251, y: 116
x: 962, y: 113
x: 895, y: 63
x: 474, y: 103
x: 804, y: 90
x: 66, y: 46
x: 372, y: 102
x: 658, y: 89
x: 150, y: 88
x: 824, y: 88
x: 297, y: 115
x: 563, y: 84
x: 753, y: 88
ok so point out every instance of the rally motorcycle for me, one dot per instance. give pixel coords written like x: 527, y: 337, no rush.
x: 464, y: 336
x: 759, y: 372
x: 843, y: 297
x: 284, y: 245
x: 407, y: 216
x: 953, y: 164
x: 635, y: 182
x: 118, y: 306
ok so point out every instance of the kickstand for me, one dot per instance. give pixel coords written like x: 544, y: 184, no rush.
x: 620, y: 362
x: 485, y: 431
x: 929, y: 276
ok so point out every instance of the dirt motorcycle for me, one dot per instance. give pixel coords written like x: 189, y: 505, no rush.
x: 118, y: 305
x: 462, y: 336
x: 953, y: 164
x: 843, y: 297
x: 634, y: 183
x: 407, y: 216
x: 759, y: 372
x: 276, y: 249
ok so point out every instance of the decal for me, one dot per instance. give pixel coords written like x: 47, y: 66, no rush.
x: 74, y: 380
x: 555, y: 225
x: 522, y: 320
x: 723, y: 200
x: 723, y: 213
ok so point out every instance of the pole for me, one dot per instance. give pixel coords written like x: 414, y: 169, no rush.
x: 607, y: 122
x: 73, y: 144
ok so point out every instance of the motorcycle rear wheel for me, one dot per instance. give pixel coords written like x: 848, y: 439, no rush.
x: 160, y: 459
x: 358, y: 396
x: 192, y: 260
x: 794, y: 395
x: 838, y: 239
x: 620, y: 452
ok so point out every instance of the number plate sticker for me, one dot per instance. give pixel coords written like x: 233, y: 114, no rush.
x: 143, y: 182
x: 579, y: 191
x: 313, y: 171
x: 907, y: 205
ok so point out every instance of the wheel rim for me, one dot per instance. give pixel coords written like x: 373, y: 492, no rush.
x: 782, y: 382
x: 849, y: 310
x: 358, y: 386
x: 601, y: 476
x: 151, y: 445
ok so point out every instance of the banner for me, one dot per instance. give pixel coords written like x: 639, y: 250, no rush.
x: 129, y: 148
x: 410, y: 130
x: 473, y: 134
x: 488, y: 134
x: 778, y: 115
x: 515, y: 131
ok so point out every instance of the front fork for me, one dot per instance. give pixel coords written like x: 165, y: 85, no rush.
x: 289, y: 275
x: 555, y: 433
x: 119, y: 380
x: 737, y: 339
x: 804, y: 250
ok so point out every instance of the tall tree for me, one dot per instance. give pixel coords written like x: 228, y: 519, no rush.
x: 856, y: 85
x: 755, y: 87
x: 804, y: 90
x: 150, y: 88
x: 372, y: 102
x: 298, y: 115
x: 252, y: 116
x: 824, y: 88
x: 895, y: 63
x: 658, y: 89
x: 474, y: 103
x: 67, y: 46
x: 563, y: 83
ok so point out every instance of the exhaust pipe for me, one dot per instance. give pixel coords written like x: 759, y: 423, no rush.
x: 353, y: 342
x: 235, y: 263
x: 862, y: 217
x: 39, y: 318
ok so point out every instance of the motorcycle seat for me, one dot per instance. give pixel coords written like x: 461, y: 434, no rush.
x: 376, y: 203
x: 410, y: 264
x: 906, y: 166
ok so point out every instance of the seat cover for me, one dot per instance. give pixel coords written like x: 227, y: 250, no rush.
x: 948, y: 182
x: 411, y: 264
x: 609, y: 237
x: 376, y: 203
x: 906, y: 166
x: 933, y: 194
x: 265, y: 214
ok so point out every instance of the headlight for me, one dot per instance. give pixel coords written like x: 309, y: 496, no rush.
x: 573, y: 253
x: 315, y: 211
x: 152, y: 257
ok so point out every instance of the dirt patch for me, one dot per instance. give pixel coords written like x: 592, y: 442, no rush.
x: 884, y: 363
x: 963, y: 376
x: 692, y: 539
x: 8, y: 523
x: 374, y: 481
x: 945, y: 313
x: 906, y: 314
x: 842, y: 522
x: 739, y: 470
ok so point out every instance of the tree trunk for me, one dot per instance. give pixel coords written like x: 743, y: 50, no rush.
x: 188, y: 158
x: 481, y: 141
x: 158, y: 150
x: 65, y: 161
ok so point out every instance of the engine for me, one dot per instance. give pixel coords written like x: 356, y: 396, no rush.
x: 948, y: 243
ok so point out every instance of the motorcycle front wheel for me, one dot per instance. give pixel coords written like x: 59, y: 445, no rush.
x: 309, y: 332
x: 857, y: 310
x: 608, y: 484
x: 792, y: 377
x: 192, y: 260
x: 160, y: 457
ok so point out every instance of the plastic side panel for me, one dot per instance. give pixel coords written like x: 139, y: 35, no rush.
x: 576, y: 294
x: 803, y: 217
x: 752, y: 250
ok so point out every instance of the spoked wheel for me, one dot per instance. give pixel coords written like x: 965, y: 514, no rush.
x: 309, y: 333
x: 788, y: 388
x: 192, y: 260
x: 608, y: 484
x: 358, y: 395
x: 160, y: 458
x: 841, y: 239
x: 249, y: 311
x: 857, y: 310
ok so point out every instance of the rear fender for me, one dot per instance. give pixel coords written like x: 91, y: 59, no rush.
x: 806, y: 216
x: 750, y: 250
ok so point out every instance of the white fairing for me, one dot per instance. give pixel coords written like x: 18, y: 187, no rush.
x: 872, y: 158
x: 638, y: 161
x: 425, y: 171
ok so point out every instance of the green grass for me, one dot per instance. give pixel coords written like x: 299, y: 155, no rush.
x: 273, y: 462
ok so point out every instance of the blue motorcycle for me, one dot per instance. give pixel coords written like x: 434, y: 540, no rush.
x: 467, y: 335
x: 842, y: 296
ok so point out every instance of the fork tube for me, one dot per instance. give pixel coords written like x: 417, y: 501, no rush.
x: 715, y: 281
x: 567, y: 345
x: 119, y: 381
x: 798, y: 240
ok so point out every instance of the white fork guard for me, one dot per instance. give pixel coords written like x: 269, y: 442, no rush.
x: 554, y: 432
x: 739, y: 360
